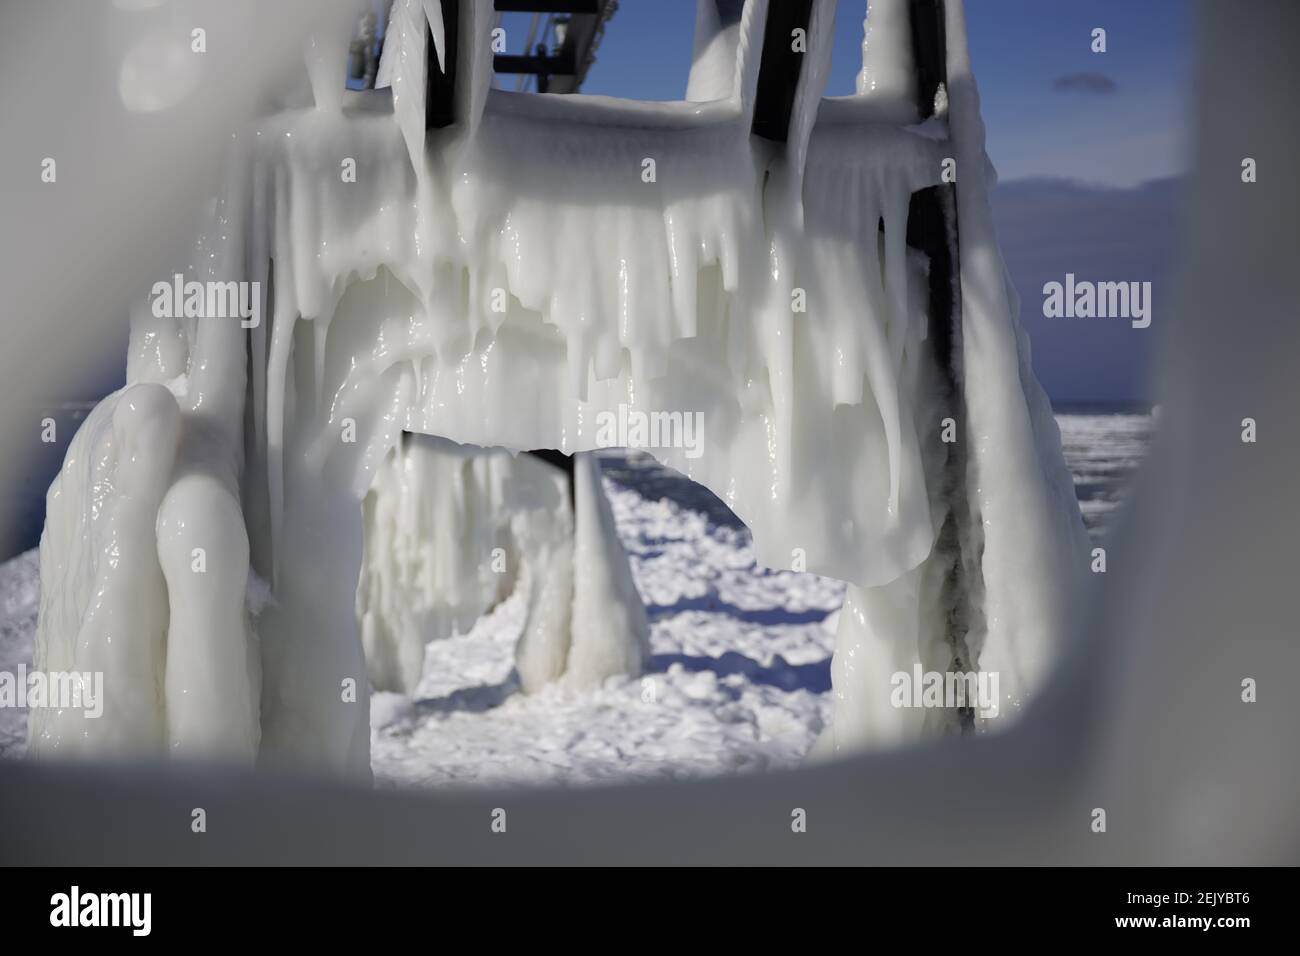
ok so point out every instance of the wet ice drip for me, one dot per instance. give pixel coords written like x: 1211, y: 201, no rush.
x: 501, y: 283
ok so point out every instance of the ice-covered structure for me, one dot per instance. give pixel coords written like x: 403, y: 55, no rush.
x: 450, y: 531
x: 659, y: 256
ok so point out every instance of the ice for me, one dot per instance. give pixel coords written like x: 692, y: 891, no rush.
x: 888, y: 73
x: 504, y: 281
x: 713, y: 59
x: 452, y: 531
x: 449, y: 533
x: 611, y: 636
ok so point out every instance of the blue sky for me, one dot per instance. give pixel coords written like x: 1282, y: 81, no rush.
x: 1019, y: 49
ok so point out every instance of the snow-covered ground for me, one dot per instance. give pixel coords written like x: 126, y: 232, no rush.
x: 20, y: 595
x: 740, y: 672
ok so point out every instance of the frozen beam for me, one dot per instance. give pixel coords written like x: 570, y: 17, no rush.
x: 440, y: 92
x: 539, y: 65
x: 929, y: 52
x: 931, y: 209
x: 778, y: 73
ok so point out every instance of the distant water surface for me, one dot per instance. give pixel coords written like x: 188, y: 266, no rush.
x: 1103, y: 446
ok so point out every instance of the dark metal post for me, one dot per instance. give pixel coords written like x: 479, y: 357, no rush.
x: 778, y: 71
x: 440, y: 89
x: 932, y: 228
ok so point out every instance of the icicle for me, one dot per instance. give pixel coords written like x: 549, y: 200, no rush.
x: 433, y: 13
x: 713, y: 56
x: 888, y: 76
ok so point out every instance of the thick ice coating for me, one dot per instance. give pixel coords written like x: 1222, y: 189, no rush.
x: 452, y: 530
x: 504, y: 282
